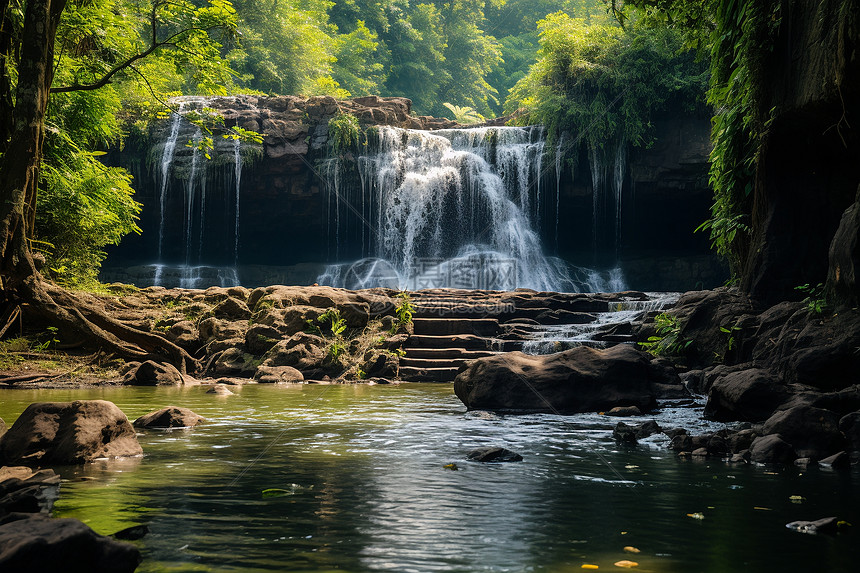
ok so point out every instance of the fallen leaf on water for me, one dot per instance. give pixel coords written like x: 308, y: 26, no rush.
x: 797, y: 499
x: 631, y: 549
x: 626, y: 564
x: 452, y: 467
x: 696, y: 515
x: 763, y: 508
x: 623, y: 533
x: 589, y: 566
x: 630, y: 467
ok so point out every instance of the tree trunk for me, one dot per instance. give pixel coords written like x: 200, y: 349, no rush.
x: 21, y: 283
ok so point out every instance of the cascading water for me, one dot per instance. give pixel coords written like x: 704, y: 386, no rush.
x: 559, y: 168
x: 549, y: 339
x: 166, y: 162
x: 608, y: 169
x: 237, y: 170
x: 449, y: 208
x: 194, y: 267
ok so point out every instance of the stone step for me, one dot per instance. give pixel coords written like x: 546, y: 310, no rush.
x: 412, y: 374
x: 443, y: 326
x: 447, y: 353
x: 434, y: 363
x: 464, y: 341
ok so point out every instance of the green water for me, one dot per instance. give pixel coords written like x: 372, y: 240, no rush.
x: 371, y: 492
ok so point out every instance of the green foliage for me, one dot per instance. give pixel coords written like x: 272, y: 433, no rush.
x: 344, y: 132
x: 465, y: 115
x: 336, y: 324
x: 816, y: 298
x: 603, y: 83
x: 403, y: 312
x: 739, y: 37
x: 668, y: 341
x: 83, y: 205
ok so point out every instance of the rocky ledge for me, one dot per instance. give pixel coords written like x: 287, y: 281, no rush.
x: 294, y: 125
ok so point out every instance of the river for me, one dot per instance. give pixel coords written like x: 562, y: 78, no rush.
x: 365, y: 489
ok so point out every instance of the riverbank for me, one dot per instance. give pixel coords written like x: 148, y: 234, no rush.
x: 788, y: 371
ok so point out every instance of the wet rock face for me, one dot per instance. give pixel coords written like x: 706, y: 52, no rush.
x: 23, y: 490
x: 69, y: 433
x: 40, y: 543
x: 579, y: 380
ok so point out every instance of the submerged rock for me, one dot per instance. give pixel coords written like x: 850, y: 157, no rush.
x: 34, y: 542
x: 494, y: 454
x: 578, y: 380
x: 772, y: 450
x: 69, y: 433
x: 812, y: 432
x: 220, y: 389
x: 624, y: 411
x: 169, y: 417
x: 24, y: 490
x: 823, y: 525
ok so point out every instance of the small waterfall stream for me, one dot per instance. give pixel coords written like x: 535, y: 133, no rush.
x: 451, y: 208
x: 180, y: 161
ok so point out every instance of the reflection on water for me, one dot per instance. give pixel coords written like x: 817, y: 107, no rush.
x: 363, y: 466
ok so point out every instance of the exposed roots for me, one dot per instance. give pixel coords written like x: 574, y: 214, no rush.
x: 74, y: 313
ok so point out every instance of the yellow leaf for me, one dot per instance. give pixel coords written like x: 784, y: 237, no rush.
x: 696, y: 515
x: 631, y: 549
x: 626, y: 564
x: 589, y: 566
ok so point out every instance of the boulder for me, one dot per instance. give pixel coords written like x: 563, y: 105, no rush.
x: 261, y: 338
x: 741, y: 440
x: 578, y: 380
x: 234, y: 362
x: 630, y: 434
x: 772, y: 450
x: 34, y: 542
x: 169, y: 417
x: 624, y: 433
x: 813, y: 432
x: 278, y: 375
x: 494, y: 455
x: 152, y: 373
x: 624, y: 411
x: 232, y: 309
x: 748, y: 395
x: 24, y: 490
x: 302, y: 351
x: 69, y: 433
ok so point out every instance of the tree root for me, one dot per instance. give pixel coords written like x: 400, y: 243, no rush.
x: 74, y: 313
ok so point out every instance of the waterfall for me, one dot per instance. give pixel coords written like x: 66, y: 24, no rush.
x: 452, y: 208
x: 595, y: 154
x: 559, y: 169
x: 238, y: 171
x: 607, y: 203
x: 183, y: 259
x: 189, y: 201
x: 166, y: 162
x: 619, y: 172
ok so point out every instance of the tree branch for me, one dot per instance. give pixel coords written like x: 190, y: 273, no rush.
x: 106, y: 79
